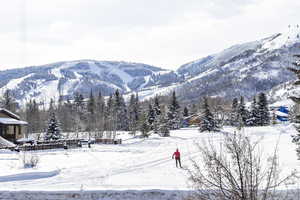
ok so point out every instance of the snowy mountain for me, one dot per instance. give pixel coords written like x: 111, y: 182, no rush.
x: 66, y: 78
x: 243, y: 69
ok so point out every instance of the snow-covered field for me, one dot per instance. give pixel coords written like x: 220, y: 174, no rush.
x: 137, y: 164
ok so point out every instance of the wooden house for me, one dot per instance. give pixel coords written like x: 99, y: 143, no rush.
x: 11, y: 127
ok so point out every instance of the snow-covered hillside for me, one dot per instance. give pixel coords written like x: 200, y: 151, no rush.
x: 137, y: 164
x: 243, y: 69
x: 66, y: 78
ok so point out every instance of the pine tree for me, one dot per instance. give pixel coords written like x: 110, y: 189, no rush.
x: 164, y: 125
x: 243, y: 114
x: 174, y: 113
x: 133, y: 112
x: 91, y: 108
x: 185, y: 112
x: 207, y: 122
x: 263, y: 110
x: 144, y: 126
x: 150, y: 116
x: 120, y: 112
x: 234, y: 112
x: 81, y: 113
x: 109, y: 115
x: 253, y: 116
x: 157, y: 113
x: 100, y: 114
x: 53, y: 131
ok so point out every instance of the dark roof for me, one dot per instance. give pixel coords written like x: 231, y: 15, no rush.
x: 9, y: 113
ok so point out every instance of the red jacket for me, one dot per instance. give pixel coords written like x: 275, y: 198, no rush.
x: 176, y: 154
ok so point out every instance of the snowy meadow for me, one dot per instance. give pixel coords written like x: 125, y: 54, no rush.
x: 136, y: 164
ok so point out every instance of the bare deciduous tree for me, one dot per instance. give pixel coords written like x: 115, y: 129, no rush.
x: 236, y: 171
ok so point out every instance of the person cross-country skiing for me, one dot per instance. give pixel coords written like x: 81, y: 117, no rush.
x: 176, y: 154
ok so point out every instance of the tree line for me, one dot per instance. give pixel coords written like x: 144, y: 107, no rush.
x: 101, y: 115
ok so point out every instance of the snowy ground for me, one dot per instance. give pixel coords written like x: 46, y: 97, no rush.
x: 137, y: 164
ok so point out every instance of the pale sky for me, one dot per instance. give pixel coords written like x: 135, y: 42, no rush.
x: 163, y: 33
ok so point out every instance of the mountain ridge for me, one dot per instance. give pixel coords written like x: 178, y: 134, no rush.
x: 242, y: 69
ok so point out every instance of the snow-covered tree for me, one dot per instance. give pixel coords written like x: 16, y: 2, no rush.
x: 207, y: 121
x: 144, y: 125
x: 263, y: 110
x: 133, y: 113
x: 164, y: 125
x: 253, y: 117
x: 120, y: 112
x: 243, y: 114
x: 150, y: 116
x: 174, y: 113
x: 53, y: 131
x: 185, y: 111
x: 234, y: 112
x: 157, y: 114
x: 91, y: 115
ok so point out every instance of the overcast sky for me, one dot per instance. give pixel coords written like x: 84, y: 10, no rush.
x: 164, y: 33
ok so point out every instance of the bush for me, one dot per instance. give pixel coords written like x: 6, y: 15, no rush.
x: 236, y: 171
x: 29, y: 160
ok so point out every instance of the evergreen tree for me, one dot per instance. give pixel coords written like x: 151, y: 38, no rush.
x: 253, y: 118
x: 120, y: 112
x: 207, y: 122
x: 53, y: 131
x: 185, y: 112
x: 243, y: 114
x: 150, y: 116
x: 91, y: 108
x: 234, y: 112
x: 157, y: 113
x: 80, y: 113
x: 144, y: 125
x: 100, y: 115
x: 174, y: 113
x: 109, y: 115
x: 164, y: 126
x: 263, y: 110
x: 133, y: 112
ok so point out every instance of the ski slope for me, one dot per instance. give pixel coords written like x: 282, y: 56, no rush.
x: 137, y: 164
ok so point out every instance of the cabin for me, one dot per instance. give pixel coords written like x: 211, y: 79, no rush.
x: 11, y: 127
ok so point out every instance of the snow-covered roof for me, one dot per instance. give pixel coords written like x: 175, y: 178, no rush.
x: 5, y: 143
x: 12, y: 121
x: 9, y: 113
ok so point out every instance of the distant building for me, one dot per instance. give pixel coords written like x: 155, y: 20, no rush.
x: 281, y: 113
x: 11, y: 127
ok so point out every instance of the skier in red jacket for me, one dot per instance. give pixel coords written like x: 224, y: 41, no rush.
x: 176, y: 154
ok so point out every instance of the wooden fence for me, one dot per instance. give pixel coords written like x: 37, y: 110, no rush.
x: 60, y: 144
x: 108, y: 141
x: 41, y: 147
